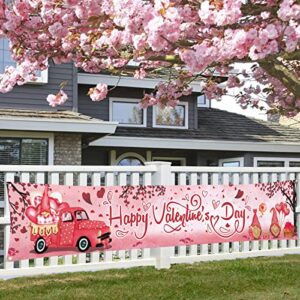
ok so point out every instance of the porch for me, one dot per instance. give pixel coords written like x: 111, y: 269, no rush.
x: 153, y: 173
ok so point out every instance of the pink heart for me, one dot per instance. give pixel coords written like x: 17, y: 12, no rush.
x: 204, y: 193
x: 146, y: 206
x: 215, y: 204
x: 278, y: 207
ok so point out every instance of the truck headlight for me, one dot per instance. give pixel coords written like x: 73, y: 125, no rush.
x: 99, y: 233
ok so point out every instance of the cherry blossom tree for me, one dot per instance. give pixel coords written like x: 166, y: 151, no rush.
x: 179, y: 41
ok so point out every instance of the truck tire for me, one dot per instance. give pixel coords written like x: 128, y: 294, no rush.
x: 83, y: 244
x: 40, y: 245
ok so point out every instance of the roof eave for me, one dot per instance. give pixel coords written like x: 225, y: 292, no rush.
x: 54, y: 125
x: 196, y: 144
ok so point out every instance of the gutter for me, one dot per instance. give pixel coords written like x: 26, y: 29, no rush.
x: 193, y: 144
x: 57, y: 125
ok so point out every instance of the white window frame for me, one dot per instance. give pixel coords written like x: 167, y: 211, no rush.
x: 285, y: 160
x: 186, y: 115
x: 167, y: 158
x: 126, y: 100
x: 33, y: 135
x: 206, y: 104
x: 240, y: 159
x: 42, y: 79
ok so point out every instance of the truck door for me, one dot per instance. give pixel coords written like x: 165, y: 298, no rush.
x: 66, y: 229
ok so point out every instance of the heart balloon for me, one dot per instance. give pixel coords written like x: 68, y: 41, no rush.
x: 31, y: 214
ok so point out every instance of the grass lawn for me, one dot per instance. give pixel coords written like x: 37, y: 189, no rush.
x: 258, y: 278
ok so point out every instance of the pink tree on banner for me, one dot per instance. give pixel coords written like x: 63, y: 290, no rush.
x: 178, y: 40
x: 288, y: 191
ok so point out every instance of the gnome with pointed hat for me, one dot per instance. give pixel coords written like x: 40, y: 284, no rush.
x: 274, y: 227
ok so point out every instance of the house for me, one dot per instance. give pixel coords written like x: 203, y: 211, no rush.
x: 116, y: 132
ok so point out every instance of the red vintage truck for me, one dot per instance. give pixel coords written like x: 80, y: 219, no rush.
x: 73, y: 229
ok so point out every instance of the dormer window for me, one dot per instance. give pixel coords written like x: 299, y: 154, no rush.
x: 202, y: 101
x: 127, y: 112
x: 170, y: 117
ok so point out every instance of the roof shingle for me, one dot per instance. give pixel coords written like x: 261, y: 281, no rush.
x: 215, y: 124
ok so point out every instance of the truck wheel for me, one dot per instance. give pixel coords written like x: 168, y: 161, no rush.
x: 40, y: 245
x: 83, y: 244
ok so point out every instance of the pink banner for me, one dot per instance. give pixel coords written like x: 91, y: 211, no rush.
x: 58, y: 220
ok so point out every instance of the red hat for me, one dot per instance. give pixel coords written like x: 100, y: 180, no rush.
x: 45, y: 202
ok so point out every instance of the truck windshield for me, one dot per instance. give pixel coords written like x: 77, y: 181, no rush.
x: 81, y: 215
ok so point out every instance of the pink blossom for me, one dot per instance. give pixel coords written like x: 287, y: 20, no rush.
x: 58, y: 99
x: 99, y: 92
x: 140, y: 74
x: 185, y: 39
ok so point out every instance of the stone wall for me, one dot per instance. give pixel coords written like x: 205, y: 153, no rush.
x: 67, y: 149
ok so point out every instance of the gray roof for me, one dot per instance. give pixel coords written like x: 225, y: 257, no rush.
x: 215, y: 124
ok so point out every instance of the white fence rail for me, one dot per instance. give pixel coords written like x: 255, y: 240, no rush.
x: 154, y: 173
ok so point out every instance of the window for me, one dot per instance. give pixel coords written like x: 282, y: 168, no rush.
x: 171, y: 117
x: 175, y: 161
x: 5, y: 56
x: 270, y: 163
x: 67, y: 217
x: 276, y: 162
x: 6, y: 60
x: 81, y: 215
x: 130, y: 161
x: 202, y: 101
x: 26, y: 151
x: 232, y: 162
x: 127, y: 112
x: 294, y: 164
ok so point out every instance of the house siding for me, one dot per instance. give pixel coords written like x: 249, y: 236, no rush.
x: 33, y: 96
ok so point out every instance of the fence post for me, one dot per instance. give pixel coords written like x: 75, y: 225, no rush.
x: 297, y: 212
x: 162, y: 176
x: 8, y: 177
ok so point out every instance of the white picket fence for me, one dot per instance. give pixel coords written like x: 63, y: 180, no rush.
x: 153, y: 173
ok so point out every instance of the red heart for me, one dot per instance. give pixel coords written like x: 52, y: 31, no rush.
x: 239, y: 194
x: 23, y: 230
x: 100, y: 193
x: 16, y: 239
x: 31, y: 214
x: 87, y: 197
